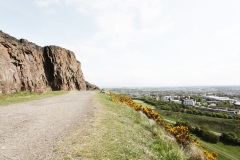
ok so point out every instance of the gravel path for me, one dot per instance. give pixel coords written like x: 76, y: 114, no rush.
x: 31, y: 130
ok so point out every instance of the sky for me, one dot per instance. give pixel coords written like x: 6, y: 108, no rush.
x: 136, y: 43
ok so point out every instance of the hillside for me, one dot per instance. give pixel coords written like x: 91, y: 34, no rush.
x: 29, y: 67
x: 119, y: 132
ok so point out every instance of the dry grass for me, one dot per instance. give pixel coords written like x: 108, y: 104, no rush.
x: 116, y: 131
x: 24, y: 96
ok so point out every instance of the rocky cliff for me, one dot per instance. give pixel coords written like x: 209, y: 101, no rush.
x: 26, y: 66
x: 91, y: 86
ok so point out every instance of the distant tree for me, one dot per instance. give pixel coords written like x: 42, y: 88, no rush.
x: 230, y: 138
x: 225, y: 104
x: 196, y: 98
x: 209, y: 136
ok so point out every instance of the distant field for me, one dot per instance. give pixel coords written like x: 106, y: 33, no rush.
x: 226, y: 152
x: 26, y: 96
x: 215, y: 124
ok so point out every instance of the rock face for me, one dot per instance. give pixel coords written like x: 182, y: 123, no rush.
x: 26, y: 66
x: 91, y: 86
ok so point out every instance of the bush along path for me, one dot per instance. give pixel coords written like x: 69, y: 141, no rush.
x: 181, y: 133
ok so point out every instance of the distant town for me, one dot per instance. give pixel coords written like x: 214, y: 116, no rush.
x: 214, y: 99
x: 211, y: 101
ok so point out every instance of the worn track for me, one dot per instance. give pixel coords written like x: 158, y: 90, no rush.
x: 31, y: 130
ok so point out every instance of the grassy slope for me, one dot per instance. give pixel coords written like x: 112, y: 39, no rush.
x: 118, y: 132
x: 215, y: 124
x: 226, y: 152
x: 26, y: 96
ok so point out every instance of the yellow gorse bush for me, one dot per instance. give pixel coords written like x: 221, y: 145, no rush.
x: 181, y: 133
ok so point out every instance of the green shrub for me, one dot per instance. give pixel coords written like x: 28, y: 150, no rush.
x: 230, y: 138
x: 203, y: 132
x: 209, y: 136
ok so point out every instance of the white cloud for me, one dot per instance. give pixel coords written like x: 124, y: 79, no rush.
x: 128, y: 22
x: 143, y: 42
x: 230, y: 33
x: 120, y: 22
x: 46, y: 3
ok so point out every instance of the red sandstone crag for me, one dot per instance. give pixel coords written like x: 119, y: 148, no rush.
x: 26, y: 66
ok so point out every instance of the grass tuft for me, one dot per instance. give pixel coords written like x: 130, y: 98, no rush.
x: 24, y: 96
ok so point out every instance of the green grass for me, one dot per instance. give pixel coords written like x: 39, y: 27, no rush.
x: 214, y: 124
x: 116, y: 131
x: 143, y: 104
x: 226, y: 152
x: 26, y: 96
x: 153, y: 107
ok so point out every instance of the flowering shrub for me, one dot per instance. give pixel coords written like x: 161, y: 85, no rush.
x: 181, y: 133
x: 210, y: 155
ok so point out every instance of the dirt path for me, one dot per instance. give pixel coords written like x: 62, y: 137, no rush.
x: 30, y: 130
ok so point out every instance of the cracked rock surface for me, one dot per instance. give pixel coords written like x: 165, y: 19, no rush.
x: 27, y: 66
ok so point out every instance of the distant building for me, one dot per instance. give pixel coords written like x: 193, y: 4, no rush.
x: 233, y: 111
x: 212, y: 105
x: 216, y: 98
x: 175, y: 101
x: 237, y: 111
x: 166, y: 98
x: 237, y: 103
x: 200, y: 107
x: 189, y: 102
x: 176, y: 97
x: 217, y: 109
x: 170, y: 99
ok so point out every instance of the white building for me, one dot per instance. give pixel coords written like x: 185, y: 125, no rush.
x: 237, y: 103
x: 189, y: 102
x: 212, y: 105
x: 216, y: 98
x: 175, y: 101
x: 166, y: 98
x: 170, y: 99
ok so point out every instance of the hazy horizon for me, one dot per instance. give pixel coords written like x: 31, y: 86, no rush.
x: 172, y: 86
x: 137, y: 43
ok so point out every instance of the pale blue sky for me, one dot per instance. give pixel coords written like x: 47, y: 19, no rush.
x: 136, y: 43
